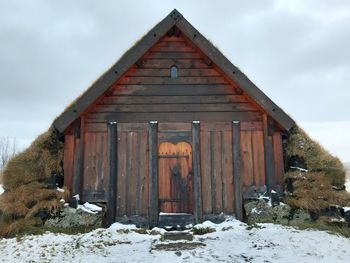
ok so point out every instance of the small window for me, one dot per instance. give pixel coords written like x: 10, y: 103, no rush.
x: 173, y: 72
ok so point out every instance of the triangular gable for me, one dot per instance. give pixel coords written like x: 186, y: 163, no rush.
x: 141, y: 47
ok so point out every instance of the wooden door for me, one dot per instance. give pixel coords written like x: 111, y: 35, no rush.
x: 175, y: 177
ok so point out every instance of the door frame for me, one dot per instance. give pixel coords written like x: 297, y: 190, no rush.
x: 170, y: 180
x: 192, y: 137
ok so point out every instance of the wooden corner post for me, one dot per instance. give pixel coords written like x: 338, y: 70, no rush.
x: 268, y: 157
x: 237, y: 160
x: 153, y: 174
x: 78, y: 161
x: 113, y: 172
x: 197, y: 190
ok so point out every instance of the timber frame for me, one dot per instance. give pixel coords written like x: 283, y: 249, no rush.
x: 126, y: 137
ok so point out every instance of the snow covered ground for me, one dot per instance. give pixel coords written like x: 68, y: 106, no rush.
x: 232, y: 242
x: 1, y: 189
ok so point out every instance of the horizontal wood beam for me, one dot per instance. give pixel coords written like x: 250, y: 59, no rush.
x: 160, y: 107
x: 173, y: 116
x: 144, y: 99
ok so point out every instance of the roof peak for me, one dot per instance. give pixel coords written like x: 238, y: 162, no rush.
x: 141, y: 47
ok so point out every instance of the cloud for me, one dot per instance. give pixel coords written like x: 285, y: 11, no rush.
x: 330, y: 135
x: 51, y: 51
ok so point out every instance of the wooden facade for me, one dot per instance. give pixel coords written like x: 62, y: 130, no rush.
x: 167, y: 129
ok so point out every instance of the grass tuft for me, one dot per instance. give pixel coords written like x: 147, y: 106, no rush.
x: 313, y: 191
x: 203, y: 230
x: 317, y: 159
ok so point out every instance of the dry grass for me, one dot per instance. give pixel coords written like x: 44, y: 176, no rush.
x: 19, y: 226
x: 316, y: 157
x: 36, y: 163
x: 25, y: 194
x: 313, y: 191
x: 28, y: 199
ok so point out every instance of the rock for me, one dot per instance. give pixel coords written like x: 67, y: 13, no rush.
x: 70, y: 217
x: 254, y: 193
x: 289, y: 184
x: 177, y: 235
x: 333, y: 221
x: 261, y: 212
x: 43, y: 214
x: 275, y: 200
x: 258, y: 212
x: 299, y: 217
x: 74, y: 201
x: 347, y: 216
x: 281, y: 213
x: 297, y: 161
x: 333, y: 211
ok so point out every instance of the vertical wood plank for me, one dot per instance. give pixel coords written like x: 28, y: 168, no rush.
x: 122, y: 171
x: 89, y: 152
x: 206, y: 172
x: 131, y: 173
x: 113, y: 172
x: 197, y: 195
x: 268, y: 156
x: 144, y: 172
x: 228, y: 199
x: 236, y: 159
x: 78, y: 158
x: 217, y: 170
x: 138, y: 153
x: 153, y: 174
x: 105, y: 164
x: 68, y: 161
x: 258, y: 154
x: 247, y: 171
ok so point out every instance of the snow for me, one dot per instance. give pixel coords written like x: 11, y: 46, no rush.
x: 2, y: 190
x: 255, y: 211
x: 299, y: 168
x: 90, y: 208
x: 347, y: 184
x: 171, y: 214
x: 60, y: 190
x: 233, y: 241
x: 346, y: 208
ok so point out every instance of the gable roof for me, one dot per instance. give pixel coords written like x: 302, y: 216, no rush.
x: 140, y: 48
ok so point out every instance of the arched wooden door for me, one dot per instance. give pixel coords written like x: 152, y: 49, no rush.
x: 175, y: 177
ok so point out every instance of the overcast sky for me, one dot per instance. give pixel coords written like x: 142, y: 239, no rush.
x: 297, y: 52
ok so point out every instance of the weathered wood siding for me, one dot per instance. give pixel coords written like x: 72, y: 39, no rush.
x: 216, y: 161
x: 148, y: 93
x: 95, y: 176
x: 68, y: 159
x: 132, y: 192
